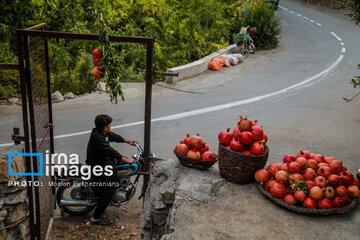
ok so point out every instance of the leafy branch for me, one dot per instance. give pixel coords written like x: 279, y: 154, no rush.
x: 356, y: 83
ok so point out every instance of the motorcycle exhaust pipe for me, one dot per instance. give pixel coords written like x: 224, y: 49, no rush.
x: 78, y: 203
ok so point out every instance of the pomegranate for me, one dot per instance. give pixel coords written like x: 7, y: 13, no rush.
x: 309, y: 185
x: 312, y: 164
x: 225, y: 137
x: 324, y: 171
x: 236, y: 145
x: 309, y: 203
x: 196, y: 142
x: 281, y: 176
x: 98, y: 72
x: 265, y: 138
x: 204, y: 148
x: 181, y: 149
x: 294, y: 167
x: 338, y: 202
x: 289, y: 158
x: 228, y: 147
x: 236, y: 132
x: 324, y: 204
x: 330, y: 192
x: 278, y: 190
x: 334, y: 180
x: 309, y: 174
x: 356, y: 182
x: 346, y: 178
x: 247, y: 152
x: 318, y: 158
x: 208, y: 156
x: 97, y: 63
x: 341, y: 190
x: 353, y: 191
x: 257, y: 133
x: 269, y: 184
x: 257, y: 148
x: 304, y: 154
x: 97, y: 54
x: 255, y: 122
x: 186, y: 140
x: 290, y: 199
x: 336, y: 166
x: 320, y: 181
x: 245, y: 137
x: 328, y: 159
x: 300, y: 195
x: 285, y: 167
x: 295, y: 178
x: 244, y: 124
x: 194, y: 154
x: 346, y: 199
x: 273, y: 168
x: 262, y: 176
x: 302, y: 161
x: 316, y: 193
x: 322, y: 165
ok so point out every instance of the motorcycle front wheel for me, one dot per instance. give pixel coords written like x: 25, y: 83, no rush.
x: 74, y: 192
x: 251, y: 48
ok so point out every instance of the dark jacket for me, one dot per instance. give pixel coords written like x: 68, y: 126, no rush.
x: 99, y: 151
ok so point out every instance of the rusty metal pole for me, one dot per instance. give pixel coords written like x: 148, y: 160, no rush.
x: 148, y: 93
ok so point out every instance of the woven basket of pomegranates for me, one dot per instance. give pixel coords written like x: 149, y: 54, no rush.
x: 314, y: 211
x: 196, y: 163
x: 238, y: 167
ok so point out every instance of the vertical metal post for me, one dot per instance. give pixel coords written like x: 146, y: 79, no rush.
x: 148, y: 93
x: 26, y: 131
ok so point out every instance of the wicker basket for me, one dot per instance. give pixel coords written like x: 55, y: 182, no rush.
x: 299, y: 209
x: 196, y: 163
x: 238, y: 167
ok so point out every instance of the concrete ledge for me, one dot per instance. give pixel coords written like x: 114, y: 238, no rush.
x: 192, y: 69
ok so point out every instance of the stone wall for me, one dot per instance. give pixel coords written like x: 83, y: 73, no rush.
x: 14, y: 210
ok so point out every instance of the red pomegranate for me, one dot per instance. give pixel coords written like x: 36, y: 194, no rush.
x: 330, y: 192
x: 323, y: 164
x: 309, y: 203
x: 285, y: 167
x: 324, y: 171
x: 244, y: 124
x: 269, y: 184
x: 257, y: 133
x: 324, y: 204
x: 304, y: 154
x: 236, y: 132
x: 181, y: 149
x: 273, y: 168
x: 290, y: 199
x: 208, y: 156
x: 255, y: 122
x: 281, y: 176
x: 278, y: 190
x: 318, y: 158
x: 294, y: 167
x: 320, y: 181
x: 353, y: 191
x: 98, y: 72
x: 295, y: 178
x: 300, y: 195
x: 341, y: 190
x: 309, y: 185
x: 328, y: 159
x: 356, y: 182
x: 336, y: 166
x: 196, y: 142
x: 225, y: 137
x: 97, y: 54
x: 346, y: 199
x: 186, y: 140
x: 309, y: 174
x: 247, y: 152
x: 302, y: 161
x: 245, y: 137
x: 257, y: 148
x: 228, y: 147
x: 262, y: 176
x: 194, y: 154
x: 289, y: 158
x: 97, y: 63
x: 338, y: 202
x: 346, y: 178
x: 236, y: 145
x: 204, y: 148
x: 334, y: 180
x: 312, y: 164
x: 316, y: 193
x: 265, y: 138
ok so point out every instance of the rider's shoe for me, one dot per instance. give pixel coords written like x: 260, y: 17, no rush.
x: 100, y: 221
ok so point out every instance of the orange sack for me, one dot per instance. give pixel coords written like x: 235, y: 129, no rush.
x: 217, y: 64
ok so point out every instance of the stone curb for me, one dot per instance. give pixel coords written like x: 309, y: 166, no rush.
x: 195, y: 68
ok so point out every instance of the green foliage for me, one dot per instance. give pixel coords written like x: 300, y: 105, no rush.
x: 352, y: 5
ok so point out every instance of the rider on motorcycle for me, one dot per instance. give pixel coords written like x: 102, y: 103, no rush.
x: 99, y: 152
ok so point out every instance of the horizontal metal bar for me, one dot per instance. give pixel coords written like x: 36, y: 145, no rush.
x: 82, y: 36
x: 37, y: 27
x: 9, y: 66
x: 143, y: 173
x: 175, y: 74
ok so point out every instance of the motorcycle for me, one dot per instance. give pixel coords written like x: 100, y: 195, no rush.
x: 244, y: 40
x: 76, y: 197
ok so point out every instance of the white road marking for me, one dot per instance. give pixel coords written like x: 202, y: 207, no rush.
x: 342, y: 43
x: 336, y: 36
x: 283, y: 8
x: 292, y: 12
x: 305, y: 18
x: 343, y: 50
x: 312, y: 21
x: 319, y: 24
x: 298, y: 14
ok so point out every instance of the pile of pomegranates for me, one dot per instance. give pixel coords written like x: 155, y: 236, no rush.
x: 194, y: 147
x: 310, y: 180
x: 247, y: 137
